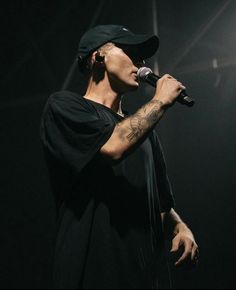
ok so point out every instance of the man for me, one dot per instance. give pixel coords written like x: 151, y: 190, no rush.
x: 107, y: 169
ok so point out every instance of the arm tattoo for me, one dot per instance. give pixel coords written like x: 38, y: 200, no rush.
x: 136, y: 126
x: 139, y: 123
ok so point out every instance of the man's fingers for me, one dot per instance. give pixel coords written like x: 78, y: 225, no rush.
x: 186, y: 254
x: 175, y: 245
x: 189, y: 256
x: 182, y: 87
x: 195, y: 255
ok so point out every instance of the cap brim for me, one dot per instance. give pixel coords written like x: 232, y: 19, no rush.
x: 147, y: 45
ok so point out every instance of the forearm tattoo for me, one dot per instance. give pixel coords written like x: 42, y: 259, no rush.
x: 136, y: 127
x: 142, y: 121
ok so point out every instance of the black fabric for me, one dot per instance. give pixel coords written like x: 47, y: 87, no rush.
x: 110, y: 234
x: 164, y: 185
x: 101, y: 34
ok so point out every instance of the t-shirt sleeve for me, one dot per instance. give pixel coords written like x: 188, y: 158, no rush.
x: 71, y: 130
x: 164, y: 186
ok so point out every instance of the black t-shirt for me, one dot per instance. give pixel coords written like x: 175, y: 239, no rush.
x: 110, y: 233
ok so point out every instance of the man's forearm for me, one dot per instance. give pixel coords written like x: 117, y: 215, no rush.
x: 134, y: 129
x: 136, y: 126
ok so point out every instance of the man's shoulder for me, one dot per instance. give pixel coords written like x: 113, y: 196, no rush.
x: 66, y: 103
x: 67, y: 100
x: 65, y: 96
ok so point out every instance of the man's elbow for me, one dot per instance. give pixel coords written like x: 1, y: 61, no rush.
x: 111, y: 153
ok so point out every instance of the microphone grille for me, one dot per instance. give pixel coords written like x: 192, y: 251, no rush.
x: 143, y: 72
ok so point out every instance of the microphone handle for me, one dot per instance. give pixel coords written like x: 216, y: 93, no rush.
x: 183, y: 97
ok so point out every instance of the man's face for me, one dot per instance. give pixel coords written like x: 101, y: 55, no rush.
x: 122, y: 65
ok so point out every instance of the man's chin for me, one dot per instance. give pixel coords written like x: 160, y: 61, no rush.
x: 134, y: 86
x: 129, y: 87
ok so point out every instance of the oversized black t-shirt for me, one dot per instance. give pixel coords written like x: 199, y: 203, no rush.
x: 109, y: 225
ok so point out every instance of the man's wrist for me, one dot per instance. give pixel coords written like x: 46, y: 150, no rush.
x: 162, y: 104
x: 157, y: 101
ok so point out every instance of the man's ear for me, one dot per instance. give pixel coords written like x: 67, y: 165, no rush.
x: 98, y: 65
x: 98, y: 57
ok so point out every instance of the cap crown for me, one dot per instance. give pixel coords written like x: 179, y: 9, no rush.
x: 100, y: 35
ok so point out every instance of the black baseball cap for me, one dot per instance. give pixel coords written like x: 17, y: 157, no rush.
x: 118, y: 34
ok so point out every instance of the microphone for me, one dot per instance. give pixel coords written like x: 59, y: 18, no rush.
x: 145, y: 74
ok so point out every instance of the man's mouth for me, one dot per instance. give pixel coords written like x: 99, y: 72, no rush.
x: 135, y: 74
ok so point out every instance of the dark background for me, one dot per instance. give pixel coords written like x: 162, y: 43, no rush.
x: 198, y: 46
